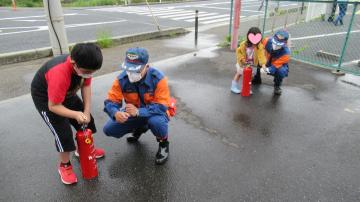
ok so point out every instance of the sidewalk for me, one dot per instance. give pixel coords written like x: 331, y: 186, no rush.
x: 301, y: 146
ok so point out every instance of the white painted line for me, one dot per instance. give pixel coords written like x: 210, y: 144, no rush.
x: 96, y: 23
x: 30, y: 20
x: 43, y: 28
x: 209, y: 18
x: 142, y: 10
x: 351, y: 62
x: 322, y: 35
x: 218, y: 3
x: 214, y: 21
x: 175, y: 13
x: 164, y: 11
x: 38, y: 16
x: 192, y: 14
x: 6, y: 28
x: 214, y: 7
x: 201, y: 15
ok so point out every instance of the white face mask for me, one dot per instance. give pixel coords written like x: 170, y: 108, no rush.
x: 275, y: 47
x: 85, y: 76
x: 134, y: 76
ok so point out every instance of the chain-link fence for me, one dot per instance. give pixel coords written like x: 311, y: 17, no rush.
x: 325, y: 33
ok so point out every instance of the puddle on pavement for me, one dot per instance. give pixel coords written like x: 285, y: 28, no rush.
x: 181, y: 59
x: 188, y: 41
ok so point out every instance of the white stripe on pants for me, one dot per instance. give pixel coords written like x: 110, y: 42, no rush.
x: 57, y: 140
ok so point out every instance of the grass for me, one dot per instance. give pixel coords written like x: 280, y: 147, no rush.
x: 23, y: 3
x: 227, y: 41
x: 103, y: 39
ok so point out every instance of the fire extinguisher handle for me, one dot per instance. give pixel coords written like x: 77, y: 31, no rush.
x: 83, y: 128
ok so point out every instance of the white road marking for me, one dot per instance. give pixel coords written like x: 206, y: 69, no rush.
x: 38, y: 16
x: 43, y: 28
x: 209, y: 18
x: 30, y: 20
x: 192, y: 14
x: 322, y: 35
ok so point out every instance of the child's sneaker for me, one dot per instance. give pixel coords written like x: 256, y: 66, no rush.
x: 67, y: 174
x: 99, y: 153
x: 234, y: 87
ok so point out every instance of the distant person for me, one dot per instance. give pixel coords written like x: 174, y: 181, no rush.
x: 250, y: 52
x: 53, y: 91
x: 139, y: 100
x: 342, y: 12
x: 278, y: 57
x: 332, y: 13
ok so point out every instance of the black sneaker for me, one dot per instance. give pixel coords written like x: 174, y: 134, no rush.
x: 277, y: 90
x: 134, y: 137
x: 257, y: 78
x: 162, y: 153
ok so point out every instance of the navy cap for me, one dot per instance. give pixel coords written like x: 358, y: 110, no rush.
x: 280, y: 38
x: 135, y: 59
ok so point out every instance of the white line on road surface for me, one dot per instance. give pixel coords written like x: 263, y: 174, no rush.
x: 322, y: 35
x: 214, y: 21
x: 192, y: 14
x: 38, y: 16
x: 43, y: 28
x: 209, y: 18
x: 172, y: 13
x: 200, y: 15
x: 161, y: 12
x: 213, y: 7
x: 30, y: 20
x: 351, y: 62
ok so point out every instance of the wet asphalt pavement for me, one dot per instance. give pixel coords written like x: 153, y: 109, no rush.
x: 301, y: 146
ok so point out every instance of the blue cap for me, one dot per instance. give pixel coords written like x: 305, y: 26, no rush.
x: 135, y: 59
x: 280, y: 38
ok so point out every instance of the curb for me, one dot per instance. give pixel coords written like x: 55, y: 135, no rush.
x: 33, y: 54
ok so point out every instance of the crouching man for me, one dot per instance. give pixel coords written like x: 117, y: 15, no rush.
x: 137, y: 101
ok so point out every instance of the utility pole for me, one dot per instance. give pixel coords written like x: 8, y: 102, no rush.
x: 55, y: 18
x: 236, y: 24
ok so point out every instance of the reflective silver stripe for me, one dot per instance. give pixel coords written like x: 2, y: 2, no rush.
x: 57, y: 140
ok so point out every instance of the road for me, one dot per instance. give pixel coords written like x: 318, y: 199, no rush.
x: 26, y: 29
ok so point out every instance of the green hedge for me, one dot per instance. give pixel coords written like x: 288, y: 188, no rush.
x: 22, y: 3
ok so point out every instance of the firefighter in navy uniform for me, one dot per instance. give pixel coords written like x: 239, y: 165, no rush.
x: 278, y: 57
x: 145, y: 93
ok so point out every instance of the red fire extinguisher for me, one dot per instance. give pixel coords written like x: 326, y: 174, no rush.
x: 246, y: 85
x: 86, y: 151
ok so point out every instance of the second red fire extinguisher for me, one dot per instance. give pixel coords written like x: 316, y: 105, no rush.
x: 86, y: 151
x: 246, y: 85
